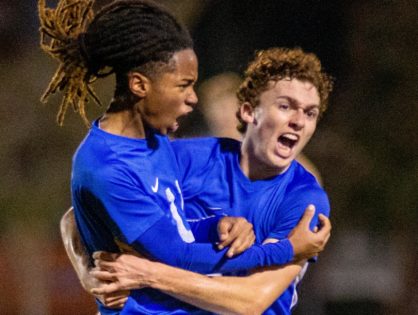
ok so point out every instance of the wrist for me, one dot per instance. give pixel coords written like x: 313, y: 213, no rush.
x: 151, y: 274
x: 161, y: 277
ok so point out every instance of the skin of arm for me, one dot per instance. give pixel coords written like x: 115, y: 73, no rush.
x: 75, y: 249
x: 79, y: 258
x: 234, y: 232
x: 222, y: 295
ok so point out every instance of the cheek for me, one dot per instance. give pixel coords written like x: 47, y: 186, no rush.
x: 309, y: 133
x: 311, y: 129
x: 266, y: 138
x: 171, y: 105
x: 268, y: 129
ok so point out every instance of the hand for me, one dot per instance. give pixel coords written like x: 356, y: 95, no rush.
x: 115, y: 299
x: 237, y: 233
x: 307, y: 244
x: 120, y: 272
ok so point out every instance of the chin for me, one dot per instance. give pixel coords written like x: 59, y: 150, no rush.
x: 283, y: 164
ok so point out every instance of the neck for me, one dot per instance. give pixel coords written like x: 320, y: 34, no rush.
x: 252, y: 167
x: 127, y: 123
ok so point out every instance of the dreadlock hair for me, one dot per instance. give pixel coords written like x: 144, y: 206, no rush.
x: 126, y: 35
x: 275, y: 64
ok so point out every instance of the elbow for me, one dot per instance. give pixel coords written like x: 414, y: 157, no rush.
x: 255, y: 305
x: 67, y: 224
x: 249, y: 307
x: 254, y: 309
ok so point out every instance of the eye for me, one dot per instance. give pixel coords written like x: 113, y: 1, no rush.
x: 312, y: 113
x: 284, y: 106
x: 184, y: 86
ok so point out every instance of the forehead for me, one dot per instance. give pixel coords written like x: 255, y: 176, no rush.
x: 185, y: 63
x: 303, y: 92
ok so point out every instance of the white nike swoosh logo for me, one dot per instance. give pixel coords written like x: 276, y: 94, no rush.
x: 214, y: 208
x: 155, y: 187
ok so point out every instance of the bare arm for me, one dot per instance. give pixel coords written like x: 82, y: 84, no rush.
x: 236, y: 295
x: 234, y: 232
x: 75, y: 248
x: 79, y: 258
x: 222, y: 295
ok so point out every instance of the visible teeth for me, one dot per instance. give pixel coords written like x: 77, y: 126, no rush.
x: 290, y: 136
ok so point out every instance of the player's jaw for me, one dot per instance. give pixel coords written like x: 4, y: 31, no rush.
x: 177, y: 121
x: 282, y: 150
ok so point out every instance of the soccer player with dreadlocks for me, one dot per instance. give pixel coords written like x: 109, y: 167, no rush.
x: 124, y: 179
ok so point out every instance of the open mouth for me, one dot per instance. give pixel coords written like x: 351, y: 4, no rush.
x: 174, y: 127
x: 180, y: 121
x: 288, y: 140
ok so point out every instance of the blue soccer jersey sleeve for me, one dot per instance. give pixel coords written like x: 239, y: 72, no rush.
x: 206, y: 230
x: 293, y: 208
x: 161, y: 241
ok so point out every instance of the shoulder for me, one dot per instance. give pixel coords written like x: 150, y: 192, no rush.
x: 203, y: 148
x: 196, y: 157
x: 204, y: 144
x: 101, y: 161
x: 300, y: 179
x: 305, y: 189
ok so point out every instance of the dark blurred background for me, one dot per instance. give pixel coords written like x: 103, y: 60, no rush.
x: 366, y: 147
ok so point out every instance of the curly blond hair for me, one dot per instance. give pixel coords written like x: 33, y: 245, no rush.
x: 275, y: 64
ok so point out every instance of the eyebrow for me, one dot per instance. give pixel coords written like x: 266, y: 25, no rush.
x: 294, y: 101
x: 312, y: 107
x: 188, y: 78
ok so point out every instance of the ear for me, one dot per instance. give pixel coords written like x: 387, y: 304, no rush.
x: 247, y: 113
x: 139, y: 84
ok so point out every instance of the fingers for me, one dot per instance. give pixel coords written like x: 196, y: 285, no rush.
x: 231, y: 235
x: 106, y: 256
x: 307, y: 216
x: 240, y: 245
x: 324, y: 232
x: 105, y: 289
x: 237, y: 233
x: 119, y: 303
x: 116, y: 299
x: 105, y: 260
x: 325, y: 225
x: 107, y: 265
x: 327, y: 239
x: 224, y: 226
x: 103, y: 275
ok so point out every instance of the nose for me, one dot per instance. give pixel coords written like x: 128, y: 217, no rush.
x: 297, y: 120
x: 192, y: 99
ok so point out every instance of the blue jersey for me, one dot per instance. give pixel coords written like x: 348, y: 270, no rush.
x: 143, y: 174
x: 213, y: 184
x: 128, y: 189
